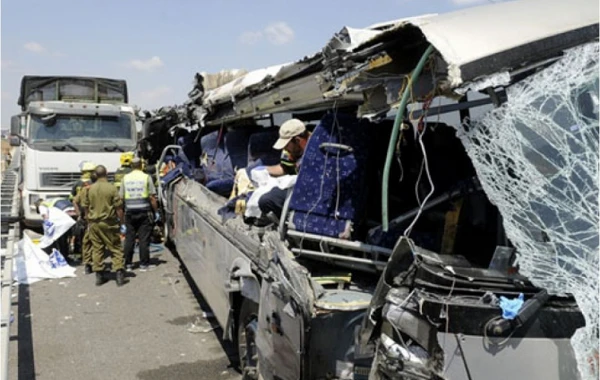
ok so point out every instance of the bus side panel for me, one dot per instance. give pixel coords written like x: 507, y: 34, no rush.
x: 208, y: 256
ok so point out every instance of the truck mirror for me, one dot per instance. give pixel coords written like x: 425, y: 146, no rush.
x: 49, y: 120
x: 15, y: 125
x: 45, y: 115
x: 14, y: 141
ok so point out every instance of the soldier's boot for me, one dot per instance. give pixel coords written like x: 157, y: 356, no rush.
x: 88, y: 269
x: 120, y: 277
x: 101, y: 278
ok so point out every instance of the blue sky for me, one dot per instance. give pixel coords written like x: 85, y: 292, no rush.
x: 157, y: 46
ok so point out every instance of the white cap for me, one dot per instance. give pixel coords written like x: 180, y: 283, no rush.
x: 289, y: 130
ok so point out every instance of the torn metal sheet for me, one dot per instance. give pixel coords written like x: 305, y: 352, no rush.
x: 214, y: 80
x: 392, y: 23
x: 472, y: 46
x: 349, y: 38
x: 495, y: 80
x: 233, y: 88
x: 471, y: 52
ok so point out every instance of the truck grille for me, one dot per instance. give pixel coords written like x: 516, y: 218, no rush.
x: 64, y: 179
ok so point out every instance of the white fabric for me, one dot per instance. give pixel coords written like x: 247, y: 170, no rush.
x: 62, y: 223
x: 264, y: 183
x: 31, y: 264
x: 43, y: 210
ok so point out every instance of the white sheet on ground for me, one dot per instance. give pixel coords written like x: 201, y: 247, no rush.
x: 264, y: 183
x: 62, y: 223
x: 31, y: 264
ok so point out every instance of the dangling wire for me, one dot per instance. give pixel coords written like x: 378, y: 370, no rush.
x: 399, y: 155
x: 336, y: 126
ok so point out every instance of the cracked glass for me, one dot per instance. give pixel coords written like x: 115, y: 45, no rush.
x: 537, y: 159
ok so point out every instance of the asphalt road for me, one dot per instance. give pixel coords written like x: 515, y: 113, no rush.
x: 151, y: 328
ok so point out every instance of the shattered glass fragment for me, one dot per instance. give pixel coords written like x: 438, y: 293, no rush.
x: 537, y: 159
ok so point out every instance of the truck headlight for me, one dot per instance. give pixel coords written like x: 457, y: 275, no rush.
x: 32, y: 199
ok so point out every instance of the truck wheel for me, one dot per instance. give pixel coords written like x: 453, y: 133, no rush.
x: 246, y: 333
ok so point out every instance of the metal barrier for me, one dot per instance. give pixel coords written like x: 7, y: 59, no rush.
x: 10, y: 210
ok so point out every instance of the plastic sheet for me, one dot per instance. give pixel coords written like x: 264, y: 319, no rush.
x: 31, y: 264
x: 61, y: 222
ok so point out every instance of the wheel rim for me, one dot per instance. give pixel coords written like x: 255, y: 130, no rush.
x: 247, y: 345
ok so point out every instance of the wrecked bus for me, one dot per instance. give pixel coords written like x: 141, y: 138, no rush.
x: 444, y: 221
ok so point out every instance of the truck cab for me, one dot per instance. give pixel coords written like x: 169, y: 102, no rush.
x: 64, y: 121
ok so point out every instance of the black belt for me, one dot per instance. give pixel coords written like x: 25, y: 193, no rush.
x: 136, y: 212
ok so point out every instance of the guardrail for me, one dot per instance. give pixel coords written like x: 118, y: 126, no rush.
x: 10, y: 234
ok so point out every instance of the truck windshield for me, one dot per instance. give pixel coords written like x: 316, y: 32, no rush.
x: 76, y: 129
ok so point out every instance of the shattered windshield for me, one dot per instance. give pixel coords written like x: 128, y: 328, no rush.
x: 537, y: 158
x: 82, y: 130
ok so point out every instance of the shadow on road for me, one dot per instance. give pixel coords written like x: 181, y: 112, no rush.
x: 26, y: 360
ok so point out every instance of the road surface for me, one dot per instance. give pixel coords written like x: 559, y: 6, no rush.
x: 151, y: 328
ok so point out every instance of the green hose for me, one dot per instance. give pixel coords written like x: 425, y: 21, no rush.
x: 395, y: 131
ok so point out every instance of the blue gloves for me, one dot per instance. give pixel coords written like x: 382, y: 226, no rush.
x: 510, y: 307
x: 123, y: 229
x: 156, y: 216
x: 48, y: 228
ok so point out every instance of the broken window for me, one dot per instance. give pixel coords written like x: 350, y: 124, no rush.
x: 537, y: 159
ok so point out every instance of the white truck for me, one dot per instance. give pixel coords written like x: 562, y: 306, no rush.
x: 64, y: 121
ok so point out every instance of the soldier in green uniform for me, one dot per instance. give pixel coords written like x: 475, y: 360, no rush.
x: 86, y: 244
x: 125, y: 168
x: 87, y: 168
x: 105, y: 214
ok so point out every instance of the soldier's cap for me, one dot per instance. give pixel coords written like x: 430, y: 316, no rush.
x: 136, y: 160
x: 288, y: 131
